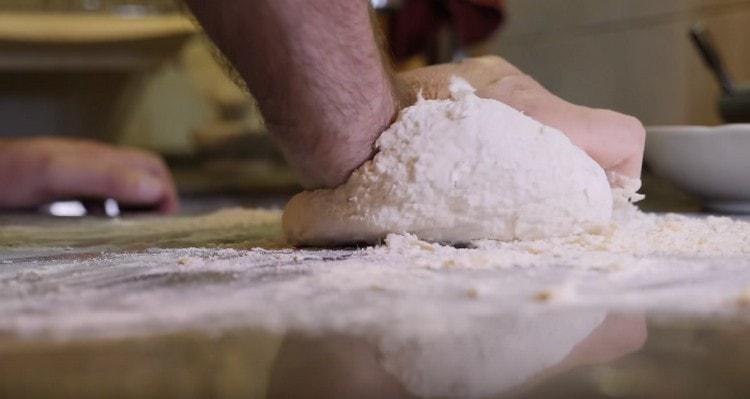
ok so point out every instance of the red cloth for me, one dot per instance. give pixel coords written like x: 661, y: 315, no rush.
x: 415, y: 25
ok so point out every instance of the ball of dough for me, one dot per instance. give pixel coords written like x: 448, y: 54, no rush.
x: 455, y: 171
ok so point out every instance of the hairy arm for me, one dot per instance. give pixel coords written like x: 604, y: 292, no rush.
x: 326, y: 92
x: 316, y: 69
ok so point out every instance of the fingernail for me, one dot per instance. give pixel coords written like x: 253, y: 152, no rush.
x: 149, y: 188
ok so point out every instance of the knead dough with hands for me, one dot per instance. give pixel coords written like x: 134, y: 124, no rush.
x: 456, y: 170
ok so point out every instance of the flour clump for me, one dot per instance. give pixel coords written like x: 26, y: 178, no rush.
x: 456, y: 171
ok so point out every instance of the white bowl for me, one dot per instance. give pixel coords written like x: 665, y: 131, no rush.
x: 712, y: 163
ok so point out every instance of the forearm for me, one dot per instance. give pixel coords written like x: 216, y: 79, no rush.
x: 317, y: 72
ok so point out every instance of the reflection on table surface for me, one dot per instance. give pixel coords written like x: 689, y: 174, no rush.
x: 624, y: 356
x: 220, y: 306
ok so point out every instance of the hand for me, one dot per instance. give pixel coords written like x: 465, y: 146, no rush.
x: 614, y: 140
x: 36, y: 171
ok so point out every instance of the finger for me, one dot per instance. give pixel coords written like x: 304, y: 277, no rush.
x: 154, y: 165
x: 102, y: 178
x: 619, y: 140
x: 144, y: 160
x: 170, y: 202
x: 631, y: 167
x: 613, y: 140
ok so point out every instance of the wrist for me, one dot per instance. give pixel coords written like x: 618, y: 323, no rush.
x: 404, y: 95
x: 342, y: 144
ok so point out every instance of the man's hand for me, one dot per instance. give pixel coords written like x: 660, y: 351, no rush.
x: 614, y: 140
x: 36, y: 171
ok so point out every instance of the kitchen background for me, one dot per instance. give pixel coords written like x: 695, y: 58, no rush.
x: 140, y: 73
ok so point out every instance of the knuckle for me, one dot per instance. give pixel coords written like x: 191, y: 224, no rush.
x: 484, y: 63
x: 490, y: 60
x: 519, y: 91
x: 635, y: 130
x: 638, y: 128
x: 517, y: 83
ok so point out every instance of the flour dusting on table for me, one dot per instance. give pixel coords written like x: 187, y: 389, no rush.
x: 444, y: 318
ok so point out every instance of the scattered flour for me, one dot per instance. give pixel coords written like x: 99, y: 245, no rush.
x: 445, y: 319
x: 458, y: 170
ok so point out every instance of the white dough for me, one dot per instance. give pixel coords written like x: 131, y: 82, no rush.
x: 455, y: 171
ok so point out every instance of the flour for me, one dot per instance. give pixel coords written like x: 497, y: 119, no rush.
x: 446, y: 321
x: 633, y: 238
x: 455, y: 171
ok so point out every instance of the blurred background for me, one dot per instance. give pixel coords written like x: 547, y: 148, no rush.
x: 140, y: 73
